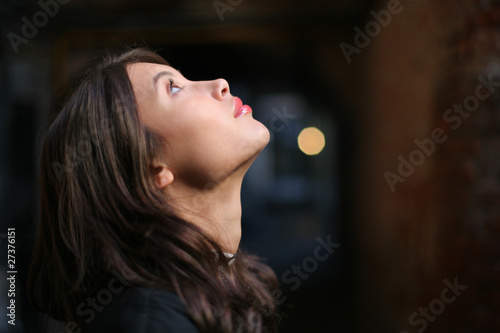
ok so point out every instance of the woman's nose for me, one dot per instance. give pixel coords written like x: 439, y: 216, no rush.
x: 220, y: 89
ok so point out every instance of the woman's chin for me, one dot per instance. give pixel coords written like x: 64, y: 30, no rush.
x: 264, y: 136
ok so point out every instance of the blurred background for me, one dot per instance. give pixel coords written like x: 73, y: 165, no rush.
x: 381, y: 143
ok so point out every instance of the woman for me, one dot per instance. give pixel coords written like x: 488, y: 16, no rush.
x: 140, y: 206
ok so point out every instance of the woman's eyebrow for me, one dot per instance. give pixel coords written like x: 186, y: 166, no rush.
x: 159, y: 75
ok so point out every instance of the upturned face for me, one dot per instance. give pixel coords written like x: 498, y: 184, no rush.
x: 209, y: 133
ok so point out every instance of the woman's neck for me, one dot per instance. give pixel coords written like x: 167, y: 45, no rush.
x: 215, y: 209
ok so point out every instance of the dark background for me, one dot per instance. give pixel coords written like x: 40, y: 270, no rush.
x: 284, y: 58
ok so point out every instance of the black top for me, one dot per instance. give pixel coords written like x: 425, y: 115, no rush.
x: 143, y: 310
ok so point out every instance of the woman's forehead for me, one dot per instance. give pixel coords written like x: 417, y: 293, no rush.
x: 145, y: 74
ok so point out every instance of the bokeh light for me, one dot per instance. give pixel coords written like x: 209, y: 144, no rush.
x: 311, y: 141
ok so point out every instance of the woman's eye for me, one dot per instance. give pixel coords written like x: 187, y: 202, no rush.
x: 173, y: 88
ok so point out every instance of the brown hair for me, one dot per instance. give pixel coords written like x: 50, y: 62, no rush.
x: 100, y: 212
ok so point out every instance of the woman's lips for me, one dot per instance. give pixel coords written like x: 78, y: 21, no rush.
x: 239, y: 108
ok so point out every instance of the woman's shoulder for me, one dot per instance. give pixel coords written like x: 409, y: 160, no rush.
x: 142, y: 310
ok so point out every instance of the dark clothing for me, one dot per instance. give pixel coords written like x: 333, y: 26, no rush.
x: 143, y: 310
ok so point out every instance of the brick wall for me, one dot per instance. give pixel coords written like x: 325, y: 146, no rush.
x: 469, y: 170
x: 442, y: 221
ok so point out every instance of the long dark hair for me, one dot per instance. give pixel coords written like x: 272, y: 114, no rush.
x: 101, y: 212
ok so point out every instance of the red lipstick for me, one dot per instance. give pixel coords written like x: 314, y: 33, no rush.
x: 240, y: 109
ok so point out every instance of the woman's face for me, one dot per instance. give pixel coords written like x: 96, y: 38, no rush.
x: 208, y: 135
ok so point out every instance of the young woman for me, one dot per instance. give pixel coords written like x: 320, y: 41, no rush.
x: 140, y: 217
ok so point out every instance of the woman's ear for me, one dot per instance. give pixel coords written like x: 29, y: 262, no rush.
x: 163, y: 175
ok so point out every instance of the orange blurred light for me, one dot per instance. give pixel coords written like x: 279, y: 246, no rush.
x: 311, y: 141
